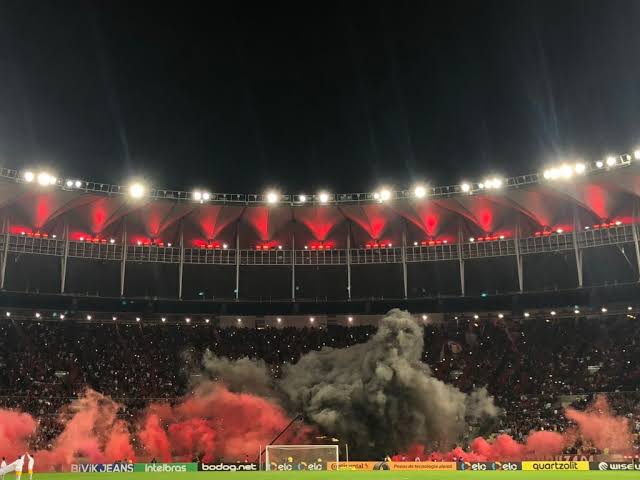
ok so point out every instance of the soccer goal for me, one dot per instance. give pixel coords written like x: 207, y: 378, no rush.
x: 300, y: 457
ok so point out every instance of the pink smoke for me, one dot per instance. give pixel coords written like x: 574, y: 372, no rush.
x: 597, y: 424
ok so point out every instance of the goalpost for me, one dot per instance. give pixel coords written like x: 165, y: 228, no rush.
x: 300, y: 457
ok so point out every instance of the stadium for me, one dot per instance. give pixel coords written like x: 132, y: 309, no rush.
x: 303, y: 273
x: 437, y: 274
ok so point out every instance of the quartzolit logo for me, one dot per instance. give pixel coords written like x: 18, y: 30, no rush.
x: 228, y: 467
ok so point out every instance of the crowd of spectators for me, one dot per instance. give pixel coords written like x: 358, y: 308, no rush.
x: 533, y: 368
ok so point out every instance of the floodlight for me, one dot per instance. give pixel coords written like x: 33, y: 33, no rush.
x: 324, y: 197
x: 136, y: 190
x: 599, y: 164
x: 636, y: 154
x: 420, y: 191
x: 272, y: 197
x: 77, y: 183
x: 465, y: 187
x: 302, y: 198
x: 385, y: 194
x: 44, y: 179
x: 579, y: 168
x: 28, y: 176
x: 611, y: 161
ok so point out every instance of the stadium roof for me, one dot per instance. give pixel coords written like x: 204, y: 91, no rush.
x: 540, y: 207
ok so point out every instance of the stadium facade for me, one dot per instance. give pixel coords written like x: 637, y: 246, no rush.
x: 554, y: 232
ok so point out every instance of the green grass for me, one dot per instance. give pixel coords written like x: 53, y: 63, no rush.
x: 351, y: 475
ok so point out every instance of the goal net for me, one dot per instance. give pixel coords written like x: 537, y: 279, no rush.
x: 300, y: 457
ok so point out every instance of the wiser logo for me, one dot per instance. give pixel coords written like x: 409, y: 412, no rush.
x: 617, y: 466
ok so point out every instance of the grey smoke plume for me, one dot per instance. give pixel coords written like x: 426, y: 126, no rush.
x: 241, y: 376
x: 377, y: 396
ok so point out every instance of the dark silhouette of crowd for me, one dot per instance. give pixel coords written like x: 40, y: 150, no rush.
x: 532, y: 367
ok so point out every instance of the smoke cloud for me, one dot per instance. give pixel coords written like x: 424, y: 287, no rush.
x: 378, y: 396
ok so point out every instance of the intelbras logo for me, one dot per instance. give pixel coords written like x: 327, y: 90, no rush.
x: 228, y: 467
x: 615, y: 466
x: 102, y: 468
x: 164, y: 467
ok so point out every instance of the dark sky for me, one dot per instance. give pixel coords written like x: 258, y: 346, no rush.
x: 337, y: 95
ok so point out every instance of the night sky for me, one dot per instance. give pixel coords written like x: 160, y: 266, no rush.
x: 337, y: 95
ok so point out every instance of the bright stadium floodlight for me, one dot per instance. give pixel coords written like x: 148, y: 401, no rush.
x: 311, y: 319
x: 576, y: 311
x: 69, y: 183
x: 579, y: 168
x: 500, y: 315
x: 7, y: 314
x: 566, y: 171
x: 112, y: 240
x: 188, y: 320
x: 547, y: 174
x: 89, y: 317
x: 599, y: 164
x: 611, y: 161
x: 164, y: 319
x: 636, y: 154
x: 302, y: 198
x: 385, y: 195
x: 28, y: 176
x: 77, y: 184
x: 137, y: 319
x: 136, y: 190
x: 206, y: 196
x: 37, y: 314
x: 62, y: 316
x: 45, y: 179
x: 553, y: 313
x: 420, y: 191
x: 465, y: 187
x: 604, y: 310
x: 350, y: 319
x: 272, y: 197
x: 475, y: 316
x: 197, y: 196
x: 114, y: 318
x: 279, y: 320
x: 559, y: 230
x: 324, y: 197
x: 239, y: 320
x: 527, y: 314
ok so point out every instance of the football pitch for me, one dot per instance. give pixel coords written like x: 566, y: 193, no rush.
x: 345, y: 475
